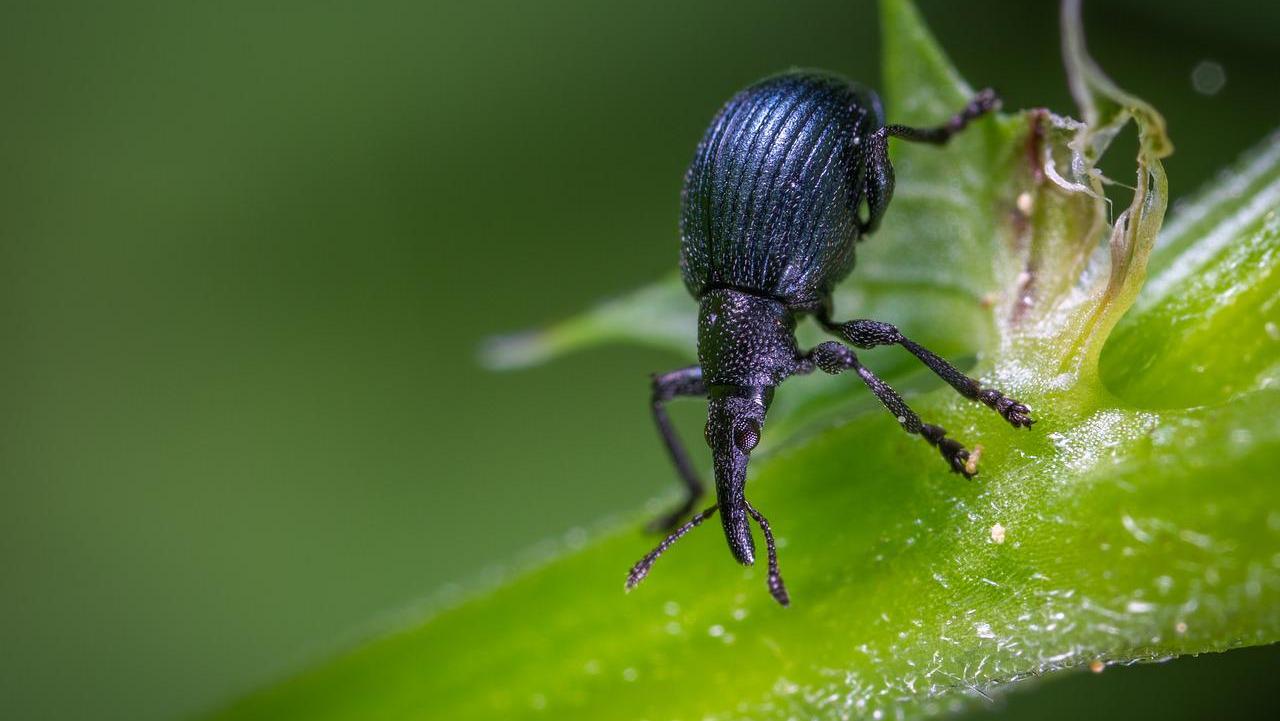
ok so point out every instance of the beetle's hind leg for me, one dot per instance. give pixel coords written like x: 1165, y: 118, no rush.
x: 666, y: 386
x: 878, y: 183
x: 872, y: 333
x: 982, y: 103
x: 835, y: 358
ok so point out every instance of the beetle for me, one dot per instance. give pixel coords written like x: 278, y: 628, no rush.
x: 792, y: 173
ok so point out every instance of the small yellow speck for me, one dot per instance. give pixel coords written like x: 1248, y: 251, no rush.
x: 1025, y: 203
x: 971, y: 464
x: 1097, y: 666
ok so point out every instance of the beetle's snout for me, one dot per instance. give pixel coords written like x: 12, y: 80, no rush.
x: 738, y: 532
x: 733, y: 430
x: 731, y: 487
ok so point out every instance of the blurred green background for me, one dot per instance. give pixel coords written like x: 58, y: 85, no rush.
x: 247, y: 254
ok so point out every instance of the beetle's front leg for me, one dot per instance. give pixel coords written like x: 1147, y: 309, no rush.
x: 666, y: 386
x: 835, y: 358
x: 872, y: 333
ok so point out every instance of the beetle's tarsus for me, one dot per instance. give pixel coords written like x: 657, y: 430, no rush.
x: 953, y: 452
x: 1017, y: 414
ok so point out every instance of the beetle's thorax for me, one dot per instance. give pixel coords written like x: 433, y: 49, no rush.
x: 745, y: 340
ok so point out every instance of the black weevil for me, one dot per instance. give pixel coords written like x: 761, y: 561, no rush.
x: 792, y: 173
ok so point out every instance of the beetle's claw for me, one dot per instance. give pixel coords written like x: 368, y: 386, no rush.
x: 952, y: 451
x: 1017, y: 414
x: 986, y: 100
x: 957, y: 456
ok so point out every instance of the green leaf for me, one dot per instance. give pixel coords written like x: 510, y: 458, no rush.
x: 661, y: 315
x: 1208, y: 326
x: 1136, y: 521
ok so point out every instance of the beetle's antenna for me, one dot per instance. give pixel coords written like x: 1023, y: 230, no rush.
x: 777, y: 588
x: 641, y: 569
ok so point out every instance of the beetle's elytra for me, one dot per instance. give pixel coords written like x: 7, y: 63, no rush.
x: 793, y: 172
x: 771, y: 198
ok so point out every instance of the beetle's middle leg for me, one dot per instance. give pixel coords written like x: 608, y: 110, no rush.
x: 835, y: 358
x: 666, y: 386
x: 872, y: 333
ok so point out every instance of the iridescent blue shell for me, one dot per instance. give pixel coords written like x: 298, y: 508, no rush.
x: 771, y: 200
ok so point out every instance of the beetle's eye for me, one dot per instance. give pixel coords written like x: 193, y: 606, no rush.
x: 747, y: 436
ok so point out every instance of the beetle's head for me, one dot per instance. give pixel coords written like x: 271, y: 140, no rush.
x: 735, y: 419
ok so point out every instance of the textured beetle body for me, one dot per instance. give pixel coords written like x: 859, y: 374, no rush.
x: 772, y: 198
x: 792, y: 173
